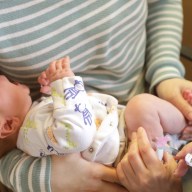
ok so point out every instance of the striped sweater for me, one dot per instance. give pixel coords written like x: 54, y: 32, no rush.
x: 118, y: 47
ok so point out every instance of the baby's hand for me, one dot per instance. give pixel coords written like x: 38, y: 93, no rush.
x: 44, y: 82
x: 57, y: 70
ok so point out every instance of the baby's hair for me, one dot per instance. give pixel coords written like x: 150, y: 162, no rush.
x: 6, y: 145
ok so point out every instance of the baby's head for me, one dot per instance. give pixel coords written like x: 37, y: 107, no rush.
x: 15, y: 102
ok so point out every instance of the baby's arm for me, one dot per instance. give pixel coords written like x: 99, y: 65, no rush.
x: 74, y: 126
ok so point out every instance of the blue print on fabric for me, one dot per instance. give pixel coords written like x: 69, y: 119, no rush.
x: 72, y: 92
x: 85, y: 112
x: 42, y: 153
x: 53, y: 151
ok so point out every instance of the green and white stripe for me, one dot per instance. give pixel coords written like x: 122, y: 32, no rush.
x: 163, y: 46
x: 106, y: 41
x: 23, y: 173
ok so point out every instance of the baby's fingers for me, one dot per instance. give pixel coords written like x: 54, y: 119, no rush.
x: 51, y: 69
x: 42, y: 79
x: 66, y: 62
x: 54, y: 69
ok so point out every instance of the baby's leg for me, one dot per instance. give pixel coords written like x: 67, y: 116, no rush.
x: 187, y: 95
x: 155, y: 115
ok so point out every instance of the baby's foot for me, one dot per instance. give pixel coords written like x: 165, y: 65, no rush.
x: 187, y: 95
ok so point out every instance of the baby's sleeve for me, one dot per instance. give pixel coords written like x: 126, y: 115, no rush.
x: 74, y: 127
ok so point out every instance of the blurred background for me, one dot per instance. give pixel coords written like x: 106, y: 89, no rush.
x: 186, y: 52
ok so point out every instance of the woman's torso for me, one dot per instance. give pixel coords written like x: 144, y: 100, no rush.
x: 104, y: 39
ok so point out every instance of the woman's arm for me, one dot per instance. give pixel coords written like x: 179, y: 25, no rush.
x: 85, y: 176
x: 22, y: 173
x: 164, y: 33
x: 164, y: 69
x: 55, y: 174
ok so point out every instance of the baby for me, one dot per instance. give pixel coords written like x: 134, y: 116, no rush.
x: 69, y: 120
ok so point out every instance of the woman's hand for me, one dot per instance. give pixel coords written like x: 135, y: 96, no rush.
x: 73, y: 173
x: 171, y: 90
x: 182, y: 167
x: 141, y: 170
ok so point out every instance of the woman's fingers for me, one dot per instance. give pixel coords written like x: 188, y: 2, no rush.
x: 134, y: 158
x: 111, y: 187
x: 141, y: 170
x: 125, y: 172
x: 172, y: 91
x: 186, y: 149
x: 131, y: 168
x: 110, y: 181
x: 106, y: 173
x: 147, y: 153
x: 181, y: 169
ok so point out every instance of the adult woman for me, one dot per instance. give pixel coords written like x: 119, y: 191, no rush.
x: 101, y: 37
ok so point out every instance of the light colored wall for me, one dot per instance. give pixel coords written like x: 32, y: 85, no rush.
x: 187, y: 29
x: 187, y: 37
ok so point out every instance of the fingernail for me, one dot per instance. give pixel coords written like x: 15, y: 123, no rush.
x: 140, y: 129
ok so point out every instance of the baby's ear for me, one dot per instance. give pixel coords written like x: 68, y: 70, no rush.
x: 9, y: 126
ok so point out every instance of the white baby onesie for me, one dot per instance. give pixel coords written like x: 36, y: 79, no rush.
x: 71, y: 121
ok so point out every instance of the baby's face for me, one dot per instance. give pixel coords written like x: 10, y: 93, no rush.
x: 14, y: 97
